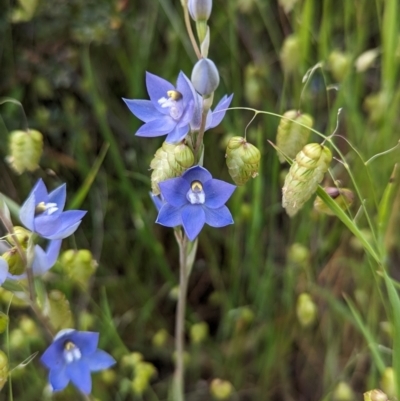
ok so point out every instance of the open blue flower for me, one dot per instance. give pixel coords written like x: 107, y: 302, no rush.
x: 169, y: 110
x: 42, y: 213
x: 3, y: 270
x: 72, y: 356
x: 193, y: 200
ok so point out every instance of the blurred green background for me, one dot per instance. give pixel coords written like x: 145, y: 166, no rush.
x: 70, y: 62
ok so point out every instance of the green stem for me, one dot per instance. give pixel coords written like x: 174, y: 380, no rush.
x: 180, y: 317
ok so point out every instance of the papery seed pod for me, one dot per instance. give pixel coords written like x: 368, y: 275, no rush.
x: 306, y: 172
x: 366, y: 60
x: 343, y: 392
x: 298, y: 255
x: 169, y: 161
x: 26, y: 148
x: 375, y: 395
x: 388, y: 382
x: 306, y: 310
x: 3, y: 369
x: 339, y: 64
x: 242, y: 159
x: 22, y: 235
x: 290, y: 54
x: 343, y: 197
x: 59, y: 312
x: 79, y: 265
x: 292, y: 137
x: 16, y: 265
x: 221, y: 389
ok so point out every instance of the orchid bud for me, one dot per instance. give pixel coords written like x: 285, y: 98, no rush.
x: 205, y: 77
x: 200, y: 10
x: 16, y: 265
x: 306, y: 172
x: 221, y: 389
x: 170, y: 161
x: 25, y: 150
x: 21, y: 234
x: 242, y: 159
x: 375, y: 395
x: 3, y: 369
x: 343, y: 197
x: 291, y: 137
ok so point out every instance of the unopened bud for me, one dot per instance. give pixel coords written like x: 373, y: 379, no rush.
x: 28, y: 326
x: 21, y: 234
x: 242, y: 159
x: 205, y: 77
x: 343, y: 197
x: 200, y: 10
x: 199, y: 332
x: 306, y: 310
x: 16, y: 265
x: 375, y: 395
x: 221, y: 389
x: 343, y: 392
x: 26, y: 148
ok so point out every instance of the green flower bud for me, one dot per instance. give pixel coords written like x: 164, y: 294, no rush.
x: 28, y: 326
x: 108, y: 376
x: 3, y: 369
x: 60, y: 312
x: 26, y: 148
x: 221, y: 389
x: 21, y: 234
x: 79, y: 265
x: 160, y: 338
x: 298, y: 254
x: 4, y: 319
x: 306, y: 310
x: 199, y: 332
x: 306, y: 172
x: 146, y: 370
x: 205, y: 77
x: 170, y: 161
x: 375, y: 395
x: 16, y: 264
x: 339, y: 64
x: 388, y: 382
x: 343, y: 392
x: 343, y: 197
x: 131, y: 359
x: 290, y: 54
x: 292, y: 137
x: 17, y: 339
x: 242, y: 159
x: 139, y: 385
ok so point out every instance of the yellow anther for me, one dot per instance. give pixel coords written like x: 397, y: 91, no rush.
x: 196, y: 186
x: 69, y: 345
x: 174, y: 95
x: 40, y: 208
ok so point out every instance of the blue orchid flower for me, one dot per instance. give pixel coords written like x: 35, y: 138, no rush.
x: 3, y: 270
x: 194, y: 200
x: 72, y: 356
x: 42, y: 213
x: 169, y: 110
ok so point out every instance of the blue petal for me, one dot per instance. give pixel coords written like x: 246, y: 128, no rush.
x: 218, y: 217
x: 44, y: 261
x: 195, y: 122
x: 58, y: 227
x: 58, y: 379
x: 100, y: 360
x: 185, y: 87
x: 174, y: 191
x: 86, y: 341
x: 58, y: 197
x: 158, y: 202
x: 196, y: 173
x: 53, y: 358
x: 187, y: 115
x: 169, y: 216
x: 193, y: 219
x: 177, y: 134
x: 142, y: 109
x: 157, y: 88
x: 79, y: 374
x: 40, y: 192
x: 3, y: 270
x: 217, y: 193
x: 27, y: 213
x: 161, y: 126
x: 219, y: 112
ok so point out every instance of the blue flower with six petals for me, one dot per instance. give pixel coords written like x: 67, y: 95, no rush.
x: 193, y: 200
x: 169, y: 110
x: 72, y: 356
x: 42, y: 213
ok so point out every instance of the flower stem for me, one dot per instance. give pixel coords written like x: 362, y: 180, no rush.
x: 180, y: 317
x: 190, y: 30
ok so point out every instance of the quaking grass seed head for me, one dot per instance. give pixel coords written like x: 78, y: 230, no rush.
x: 242, y: 159
x: 343, y: 197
